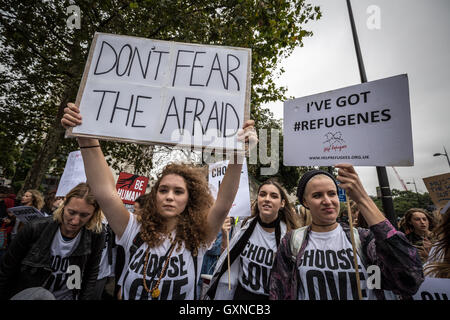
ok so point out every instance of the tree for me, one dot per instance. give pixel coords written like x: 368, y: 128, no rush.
x: 43, y: 60
x: 404, y: 200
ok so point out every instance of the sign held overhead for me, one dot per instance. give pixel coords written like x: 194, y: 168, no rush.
x: 160, y: 92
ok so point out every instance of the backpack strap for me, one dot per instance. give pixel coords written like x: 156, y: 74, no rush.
x: 297, y: 238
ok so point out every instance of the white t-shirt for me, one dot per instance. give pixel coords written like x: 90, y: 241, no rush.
x: 327, y: 269
x: 177, y: 282
x: 257, y: 261
x: 105, y: 269
x: 60, y: 252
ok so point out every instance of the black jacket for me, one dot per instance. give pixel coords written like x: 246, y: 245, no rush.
x: 27, y: 261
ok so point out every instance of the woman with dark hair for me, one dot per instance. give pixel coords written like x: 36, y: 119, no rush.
x: 45, y: 248
x: 253, y: 247
x: 420, y: 224
x: 438, y: 262
x: 317, y: 262
x: 166, y: 241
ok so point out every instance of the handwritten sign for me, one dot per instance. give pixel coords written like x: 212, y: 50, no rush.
x: 439, y: 189
x: 433, y: 289
x: 130, y: 187
x: 366, y: 125
x: 26, y: 213
x: 161, y: 92
x: 241, y: 205
x: 73, y: 174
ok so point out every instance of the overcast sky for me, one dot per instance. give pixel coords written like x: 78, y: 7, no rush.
x: 414, y: 38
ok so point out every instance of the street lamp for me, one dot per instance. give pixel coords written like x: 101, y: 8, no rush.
x: 443, y: 154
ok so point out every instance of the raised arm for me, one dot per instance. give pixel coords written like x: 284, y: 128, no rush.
x: 349, y: 181
x: 229, y: 185
x: 99, y: 175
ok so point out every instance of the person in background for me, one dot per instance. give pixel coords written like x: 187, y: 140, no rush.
x: 178, y: 223
x: 272, y: 216
x: 45, y: 248
x: 49, y: 198
x: 32, y: 198
x: 420, y: 224
x: 305, y: 216
x: 357, y: 218
x: 438, y: 261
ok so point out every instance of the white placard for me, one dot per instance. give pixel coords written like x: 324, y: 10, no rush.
x: 366, y: 125
x: 73, y: 174
x: 241, y: 205
x: 433, y: 289
x: 151, y: 91
x: 26, y: 213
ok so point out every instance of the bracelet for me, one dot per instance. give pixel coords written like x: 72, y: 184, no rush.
x: 90, y: 146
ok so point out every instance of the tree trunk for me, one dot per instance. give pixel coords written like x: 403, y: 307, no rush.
x: 49, y: 147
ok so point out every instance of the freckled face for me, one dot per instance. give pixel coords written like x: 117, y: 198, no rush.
x: 322, y: 199
x: 172, y: 196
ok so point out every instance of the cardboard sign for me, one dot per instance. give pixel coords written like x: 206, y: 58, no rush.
x: 433, y: 289
x: 130, y: 187
x: 162, y: 92
x: 73, y: 174
x: 439, y: 189
x: 365, y: 125
x: 241, y: 205
x: 26, y: 213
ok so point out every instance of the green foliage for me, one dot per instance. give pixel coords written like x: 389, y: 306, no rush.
x: 42, y: 62
x: 404, y: 200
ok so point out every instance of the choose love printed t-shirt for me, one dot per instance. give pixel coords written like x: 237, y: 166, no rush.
x: 178, y: 280
x: 60, y: 252
x: 327, y: 269
x: 257, y: 260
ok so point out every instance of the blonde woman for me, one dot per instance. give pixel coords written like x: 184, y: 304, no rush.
x: 45, y: 248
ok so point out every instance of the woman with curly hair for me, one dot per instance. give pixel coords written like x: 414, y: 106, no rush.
x: 253, y: 247
x: 166, y: 242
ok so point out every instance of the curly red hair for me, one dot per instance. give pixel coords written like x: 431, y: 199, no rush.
x: 191, y: 227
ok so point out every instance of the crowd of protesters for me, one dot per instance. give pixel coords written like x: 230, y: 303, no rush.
x: 178, y: 243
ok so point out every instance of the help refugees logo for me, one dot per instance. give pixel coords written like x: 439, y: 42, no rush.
x: 334, y: 141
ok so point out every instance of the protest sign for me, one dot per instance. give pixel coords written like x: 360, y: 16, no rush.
x: 241, y: 205
x: 433, y: 289
x: 151, y: 91
x: 26, y: 213
x: 73, y: 174
x: 130, y: 187
x: 366, y: 125
x: 439, y: 188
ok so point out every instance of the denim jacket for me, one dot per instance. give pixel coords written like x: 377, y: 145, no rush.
x: 26, y: 264
x: 382, y: 245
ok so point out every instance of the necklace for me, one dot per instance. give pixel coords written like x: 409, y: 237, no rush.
x: 155, y: 291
